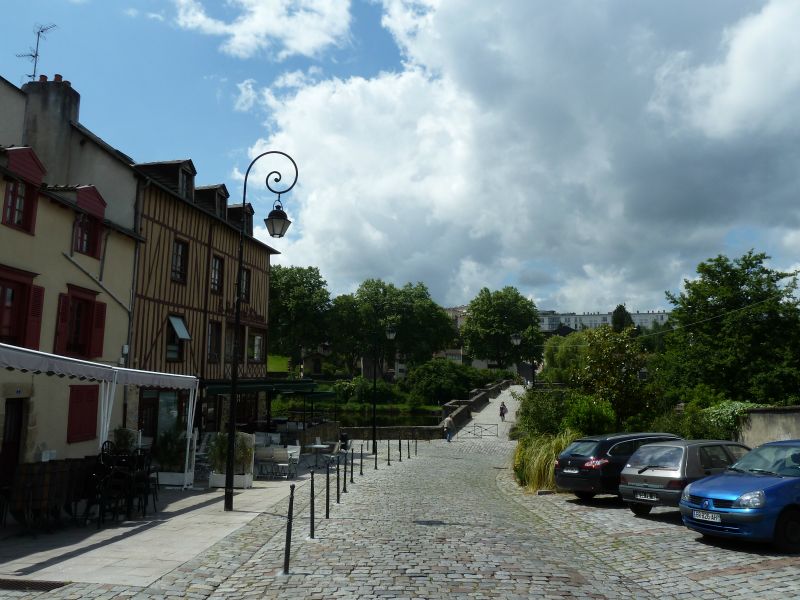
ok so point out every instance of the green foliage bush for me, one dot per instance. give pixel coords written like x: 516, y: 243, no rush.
x: 535, y: 457
x: 242, y: 452
x: 170, y: 449
x: 721, y: 421
x: 540, y: 411
x: 440, y: 380
x: 124, y: 439
x: 588, y: 414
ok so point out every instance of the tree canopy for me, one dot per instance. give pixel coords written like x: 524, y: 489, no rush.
x: 298, y: 305
x: 492, y: 318
x: 737, y: 331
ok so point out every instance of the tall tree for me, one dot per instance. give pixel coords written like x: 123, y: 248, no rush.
x: 492, y: 318
x: 737, y: 330
x: 613, y: 363
x: 298, y: 303
x: 423, y: 327
x: 621, y: 318
x: 344, y: 331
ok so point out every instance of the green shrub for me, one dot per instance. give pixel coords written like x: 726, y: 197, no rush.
x: 540, y: 411
x: 170, y: 449
x: 242, y: 452
x: 588, y: 414
x: 721, y: 421
x: 535, y: 458
x: 124, y: 439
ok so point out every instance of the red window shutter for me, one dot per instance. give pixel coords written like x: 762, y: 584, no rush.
x: 33, y: 325
x: 82, y: 417
x: 62, y: 325
x: 98, y: 330
x: 31, y: 206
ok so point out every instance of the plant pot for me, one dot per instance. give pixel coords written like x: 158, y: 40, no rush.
x: 239, y: 481
x: 173, y: 478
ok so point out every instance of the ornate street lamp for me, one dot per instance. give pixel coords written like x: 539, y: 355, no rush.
x: 390, y: 334
x: 277, y: 223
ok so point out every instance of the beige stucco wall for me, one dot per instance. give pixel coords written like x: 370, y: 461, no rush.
x: 769, y: 425
x: 43, y: 253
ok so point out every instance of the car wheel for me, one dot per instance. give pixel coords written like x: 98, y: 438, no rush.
x: 585, y: 495
x: 640, y: 510
x: 787, y: 531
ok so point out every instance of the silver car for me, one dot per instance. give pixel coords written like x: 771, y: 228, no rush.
x: 656, y: 473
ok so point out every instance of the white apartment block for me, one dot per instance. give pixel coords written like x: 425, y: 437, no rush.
x: 549, y: 320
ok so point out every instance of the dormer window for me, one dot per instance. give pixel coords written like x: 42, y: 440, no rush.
x: 186, y: 184
x: 87, y: 236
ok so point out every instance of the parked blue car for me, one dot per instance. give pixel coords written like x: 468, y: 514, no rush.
x: 757, y: 498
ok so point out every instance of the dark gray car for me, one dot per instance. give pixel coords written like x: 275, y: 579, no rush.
x: 656, y: 473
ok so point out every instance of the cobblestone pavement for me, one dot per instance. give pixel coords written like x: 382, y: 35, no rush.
x: 451, y: 522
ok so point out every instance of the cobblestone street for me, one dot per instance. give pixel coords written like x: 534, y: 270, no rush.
x: 451, y: 522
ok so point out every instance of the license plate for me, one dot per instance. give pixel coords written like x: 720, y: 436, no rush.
x: 570, y: 470
x: 702, y: 515
x: 646, y: 496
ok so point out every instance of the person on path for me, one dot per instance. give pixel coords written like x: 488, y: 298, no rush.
x: 448, y: 428
x: 503, y: 411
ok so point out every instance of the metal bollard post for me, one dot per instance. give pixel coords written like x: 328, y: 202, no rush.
x: 352, y: 464
x: 337, y: 479
x: 389, y: 452
x: 344, y: 483
x: 408, y: 447
x: 327, y: 489
x: 376, y: 460
x: 415, y: 445
x: 399, y: 450
x: 361, y: 461
x: 312, y: 503
x: 288, y: 548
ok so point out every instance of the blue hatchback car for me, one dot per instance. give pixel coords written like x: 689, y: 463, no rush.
x: 757, y: 498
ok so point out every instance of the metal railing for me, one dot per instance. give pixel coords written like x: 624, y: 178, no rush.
x: 478, y: 431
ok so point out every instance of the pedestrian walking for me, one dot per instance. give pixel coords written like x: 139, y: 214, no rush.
x: 503, y: 411
x: 448, y: 428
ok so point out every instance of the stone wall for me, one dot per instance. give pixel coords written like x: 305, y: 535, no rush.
x: 762, y: 425
x: 460, y: 410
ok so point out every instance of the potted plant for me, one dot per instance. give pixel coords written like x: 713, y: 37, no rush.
x: 244, y: 450
x: 124, y: 439
x: 169, y: 453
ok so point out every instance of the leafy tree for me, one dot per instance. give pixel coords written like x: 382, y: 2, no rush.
x: 299, y: 301
x: 344, y: 331
x: 737, y: 330
x: 565, y: 358
x: 653, y: 338
x: 422, y: 326
x: 440, y: 380
x: 621, y: 318
x: 492, y: 318
x: 613, y: 362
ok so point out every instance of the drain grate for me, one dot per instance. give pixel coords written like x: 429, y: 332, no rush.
x: 429, y: 523
x: 27, y: 585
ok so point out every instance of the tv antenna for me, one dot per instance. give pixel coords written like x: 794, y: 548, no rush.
x: 33, y: 55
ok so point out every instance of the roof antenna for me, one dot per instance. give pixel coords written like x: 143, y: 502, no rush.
x: 33, y: 55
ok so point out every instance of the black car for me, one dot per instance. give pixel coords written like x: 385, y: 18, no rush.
x: 591, y: 465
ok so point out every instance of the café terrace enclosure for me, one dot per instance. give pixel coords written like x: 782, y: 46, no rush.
x: 42, y: 363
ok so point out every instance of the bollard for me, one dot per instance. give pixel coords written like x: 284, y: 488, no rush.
x: 399, y: 450
x: 327, y: 489
x: 352, y: 464
x: 361, y: 461
x: 408, y: 447
x: 312, y: 504
x: 288, y: 548
x: 389, y: 452
x: 344, y: 481
x: 376, y: 460
x: 415, y: 445
x: 337, y: 479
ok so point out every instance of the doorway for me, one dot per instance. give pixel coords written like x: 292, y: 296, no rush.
x: 12, y: 439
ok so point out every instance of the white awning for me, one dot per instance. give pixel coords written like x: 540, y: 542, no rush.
x: 23, y: 359
x: 155, y: 379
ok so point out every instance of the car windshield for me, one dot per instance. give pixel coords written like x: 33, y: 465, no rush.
x: 581, y: 448
x: 656, y: 457
x: 772, y: 460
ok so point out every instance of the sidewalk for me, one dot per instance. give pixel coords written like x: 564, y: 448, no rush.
x: 140, y: 551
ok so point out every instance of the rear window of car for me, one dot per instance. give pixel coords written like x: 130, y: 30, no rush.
x: 666, y: 457
x: 581, y: 448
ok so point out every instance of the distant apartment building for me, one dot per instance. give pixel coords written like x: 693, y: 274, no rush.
x: 550, y: 320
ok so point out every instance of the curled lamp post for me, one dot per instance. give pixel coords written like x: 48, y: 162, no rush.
x: 390, y: 333
x: 277, y: 223
x: 516, y: 339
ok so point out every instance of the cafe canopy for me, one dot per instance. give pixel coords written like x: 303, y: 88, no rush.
x: 14, y: 358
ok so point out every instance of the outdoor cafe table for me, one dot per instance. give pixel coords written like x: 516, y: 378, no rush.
x: 315, y: 448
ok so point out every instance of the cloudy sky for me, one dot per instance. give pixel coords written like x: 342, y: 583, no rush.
x: 589, y: 153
